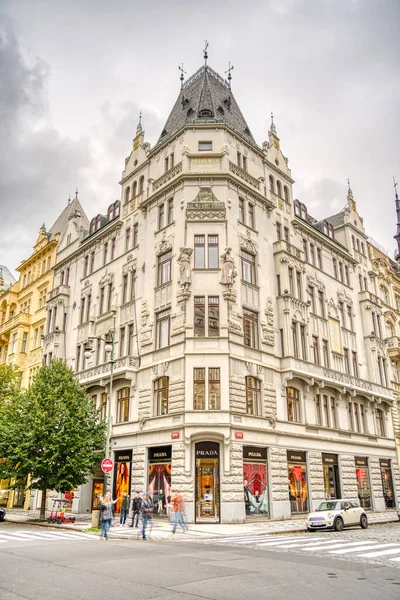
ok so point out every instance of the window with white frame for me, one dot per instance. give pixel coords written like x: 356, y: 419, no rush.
x: 164, y: 268
x: 250, y: 328
x: 163, y: 329
x: 161, y: 393
x: 253, y: 396
x: 206, y: 388
x: 123, y: 405
x: 248, y: 265
x: 293, y: 404
x: 206, y: 316
x: 206, y: 254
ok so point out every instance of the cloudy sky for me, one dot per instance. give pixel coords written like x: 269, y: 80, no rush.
x: 74, y: 76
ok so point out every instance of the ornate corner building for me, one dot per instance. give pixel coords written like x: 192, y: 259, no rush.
x: 251, y: 369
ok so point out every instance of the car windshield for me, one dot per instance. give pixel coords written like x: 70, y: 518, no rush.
x: 328, y: 506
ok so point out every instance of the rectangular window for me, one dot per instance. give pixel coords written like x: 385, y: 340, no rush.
x: 321, y: 303
x: 325, y: 410
x: 78, y: 358
x: 278, y: 284
x: 333, y: 413
x: 291, y: 282
x: 130, y: 340
x: 250, y: 215
x: 248, y: 267
x: 244, y: 164
x: 162, y: 329
x: 85, y: 266
x: 299, y: 287
x: 109, y: 296
x: 214, y: 389
x: 199, y: 389
x: 213, y: 316
x: 295, y: 340
x: 241, y: 210
x: 205, y: 146
x: 286, y: 233
x: 305, y: 250
x: 166, y: 163
x: 161, y: 216
x: 325, y: 353
x: 355, y: 363
x: 121, y: 341
x: 349, y: 317
x: 335, y: 273
x: 123, y: 405
x: 103, y: 406
x: 213, y: 259
x: 311, y: 297
x: 91, y: 262
x: 319, y: 258
x: 105, y: 252
x: 127, y: 238
x: 199, y: 252
x: 347, y: 273
x: 135, y: 240
x: 24, y: 346
x: 250, y: 328
x: 278, y: 231
x: 346, y: 361
x: 132, y: 287
x: 199, y: 316
x: 239, y: 159
x: 341, y: 313
x: 293, y: 405
x: 170, y: 211
x: 380, y: 423
x: 315, y: 349
x: 82, y: 312
x: 253, y: 396
x: 172, y: 159
x: 164, y: 267
x: 303, y: 342
x: 113, y: 243
x: 312, y: 254
x: 341, y: 271
x: 318, y: 411
x: 124, y: 288
x: 88, y: 306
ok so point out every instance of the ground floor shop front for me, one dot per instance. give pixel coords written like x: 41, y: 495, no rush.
x: 232, y: 482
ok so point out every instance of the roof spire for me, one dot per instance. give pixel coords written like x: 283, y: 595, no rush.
x: 397, y: 236
x: 182, y: 77
x: 351, y: 203
x: 230, y: 68
x: 205, y: 53
x: 69, y: 199
x: 76, y: 194
x: 273, y: 128
x: 139, y: 128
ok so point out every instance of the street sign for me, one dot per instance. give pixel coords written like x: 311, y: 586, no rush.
x: 107, y: 465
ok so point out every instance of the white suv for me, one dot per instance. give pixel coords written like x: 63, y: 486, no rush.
x: 337, y: 514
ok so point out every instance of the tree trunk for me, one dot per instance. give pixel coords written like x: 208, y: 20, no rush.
x: 43, y: 506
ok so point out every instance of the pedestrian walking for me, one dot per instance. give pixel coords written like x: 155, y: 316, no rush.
x: 146, y: 510
x: 179, y: 510
x: 124, y: 509
x: 106, y: 506
x: 136, y: 503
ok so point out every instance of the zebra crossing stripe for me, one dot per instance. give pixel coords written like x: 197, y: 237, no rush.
x: 337, y: 544
x: 39, y: 535
x: 365, y: 547
x: 382, y: 553
x: 310, y: 543
x: 395, y: 559
x: 284, y: 542
x: 15, y: 537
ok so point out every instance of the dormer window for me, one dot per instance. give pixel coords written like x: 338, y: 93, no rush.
x: 190, y: 112
x: 205, y: 113
x: 220, y: 110
x: 304, y: 212
x: 117, y: 208
x: 92, y: 226
x: 110, y: 212
x: 98, y: 222
x: 297, y: 208
x: 205, y: 146
x: 164, y: 132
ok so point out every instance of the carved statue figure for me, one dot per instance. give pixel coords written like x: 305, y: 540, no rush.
x: 185, y: 273
x: 228, y: 270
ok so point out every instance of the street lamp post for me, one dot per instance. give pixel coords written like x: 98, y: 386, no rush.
x: 109, y: 341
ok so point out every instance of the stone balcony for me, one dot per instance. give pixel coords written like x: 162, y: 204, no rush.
x: 366, y: 296
x: 63, y: 290
x: 393, y: 346
x: 284, y: 246
x: 242, y: 174
x: 167, y: 176
x: 96, y: 373
x: 22, y: 319
x: 323, y: 377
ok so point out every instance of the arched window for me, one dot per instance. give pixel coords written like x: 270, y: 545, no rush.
x: 161, y: 391
x: 297, y: 208
x: 279, y: 189
x: 331, y: 232
x: 127, y: 192
x: 362, y: 249
x: 389, y: 329
x: 141, y: 184
x: 271, y: 184
x: 253, y: 396
x: 92, y: 225
x: 134, y: 189
x: 98, y: 222
x: 286, y: 193
x: 304, y: 212
x: 123, y: 405
x: 110, y: 212
x: 117, y: 208
x: 293, y: 404
x: 358, y: 245
x: 384, y: 294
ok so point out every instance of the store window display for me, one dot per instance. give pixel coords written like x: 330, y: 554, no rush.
x: 297, y: 479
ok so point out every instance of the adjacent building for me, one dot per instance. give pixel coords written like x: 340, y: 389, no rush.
x: 250, y: 367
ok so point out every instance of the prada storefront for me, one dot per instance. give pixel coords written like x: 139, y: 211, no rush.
x: 207, y: 482
x: 159, y: 477
x: 255, y: 481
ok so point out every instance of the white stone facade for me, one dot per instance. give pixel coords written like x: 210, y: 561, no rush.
x: 259, y: 316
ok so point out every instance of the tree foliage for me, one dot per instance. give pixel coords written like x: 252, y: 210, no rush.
x: 51, y: 431
x: 10, y: 379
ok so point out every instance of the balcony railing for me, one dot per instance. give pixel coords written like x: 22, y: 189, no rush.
x: 61, y: 289
x: 20, y: 319
x: 104, y: 369
x: 244, y: 175
x: 167, y: 176
x: 365, y: 295
x: 283, y: 245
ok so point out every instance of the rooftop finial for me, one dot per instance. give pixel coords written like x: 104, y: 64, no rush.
x: 348, y: 184
x: 139, y: 128
x: 69, y: 199
x: 350, y: 198
x: 205, y: 53
x: 76, y: 194
x: 182, y: 77
x: 397, y: 236
x: 273, y: 128
x: 230, y: 68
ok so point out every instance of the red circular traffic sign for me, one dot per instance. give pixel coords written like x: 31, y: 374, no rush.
x: 107, y: 465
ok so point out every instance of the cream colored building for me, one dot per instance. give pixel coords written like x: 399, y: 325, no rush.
x: 246, y: 375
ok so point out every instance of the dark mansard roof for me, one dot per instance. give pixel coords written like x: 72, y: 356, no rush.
x: 206, y: 98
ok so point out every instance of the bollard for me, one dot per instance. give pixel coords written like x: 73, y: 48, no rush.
x: 95, y: 518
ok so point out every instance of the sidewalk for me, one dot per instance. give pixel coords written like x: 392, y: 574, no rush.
x: 161, y: 529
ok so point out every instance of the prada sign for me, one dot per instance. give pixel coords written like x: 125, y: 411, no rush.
x: 207, y: 450
x: 123, y: 456
x: 297, y: 457
x: 254, y: 453
x: 361, y: 461
x: 330, y: 459
x: 160, y: 454
x: 385, y: 464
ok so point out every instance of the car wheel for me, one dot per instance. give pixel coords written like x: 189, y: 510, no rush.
x: 338, y: 525
x: 364, y: 522
x: 310, y: 530
x: 73, y: 520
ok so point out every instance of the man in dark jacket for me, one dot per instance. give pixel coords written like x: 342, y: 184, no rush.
x: 136, y: 504
x: 146, y: 510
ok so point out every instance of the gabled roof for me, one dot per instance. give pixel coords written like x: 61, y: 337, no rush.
x: 61, y: 223
x: 336, y: 220
x: 206, y: 98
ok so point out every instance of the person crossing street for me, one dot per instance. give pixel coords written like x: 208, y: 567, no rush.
x: 136, y: 503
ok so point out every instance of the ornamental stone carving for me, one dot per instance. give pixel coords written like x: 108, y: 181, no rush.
x: 229, y: 271
x: 185, y: 272
x: 144, y: 313
x: 246, y: 243
x: 107, y: 278
x: 268, y: 334
x: 165, y: 244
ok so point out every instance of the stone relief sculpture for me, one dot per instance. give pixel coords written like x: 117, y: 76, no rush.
x: 229, y: 269
x: 185, y: 273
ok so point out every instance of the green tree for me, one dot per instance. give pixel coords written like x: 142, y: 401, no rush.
x: 52, y: 432
x: 10, y: 379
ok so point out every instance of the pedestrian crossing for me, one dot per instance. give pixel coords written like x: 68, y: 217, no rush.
x: 365, y: 549
x: 28, y: 536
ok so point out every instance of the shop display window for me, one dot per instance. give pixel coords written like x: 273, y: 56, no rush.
x: 298, y: 487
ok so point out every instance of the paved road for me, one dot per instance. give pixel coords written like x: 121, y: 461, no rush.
x: 36, y: 567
